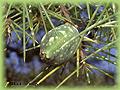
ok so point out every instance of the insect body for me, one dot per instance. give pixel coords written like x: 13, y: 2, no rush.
x: 58, y: 45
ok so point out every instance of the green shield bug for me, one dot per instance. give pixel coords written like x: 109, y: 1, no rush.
x: 57, y: 46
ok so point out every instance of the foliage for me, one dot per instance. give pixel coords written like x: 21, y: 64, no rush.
x: 94, y: 63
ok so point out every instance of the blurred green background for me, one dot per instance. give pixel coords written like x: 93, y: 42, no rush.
x: 26, y: 24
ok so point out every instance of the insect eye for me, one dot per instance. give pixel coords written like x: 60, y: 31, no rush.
x: 42, y: 55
